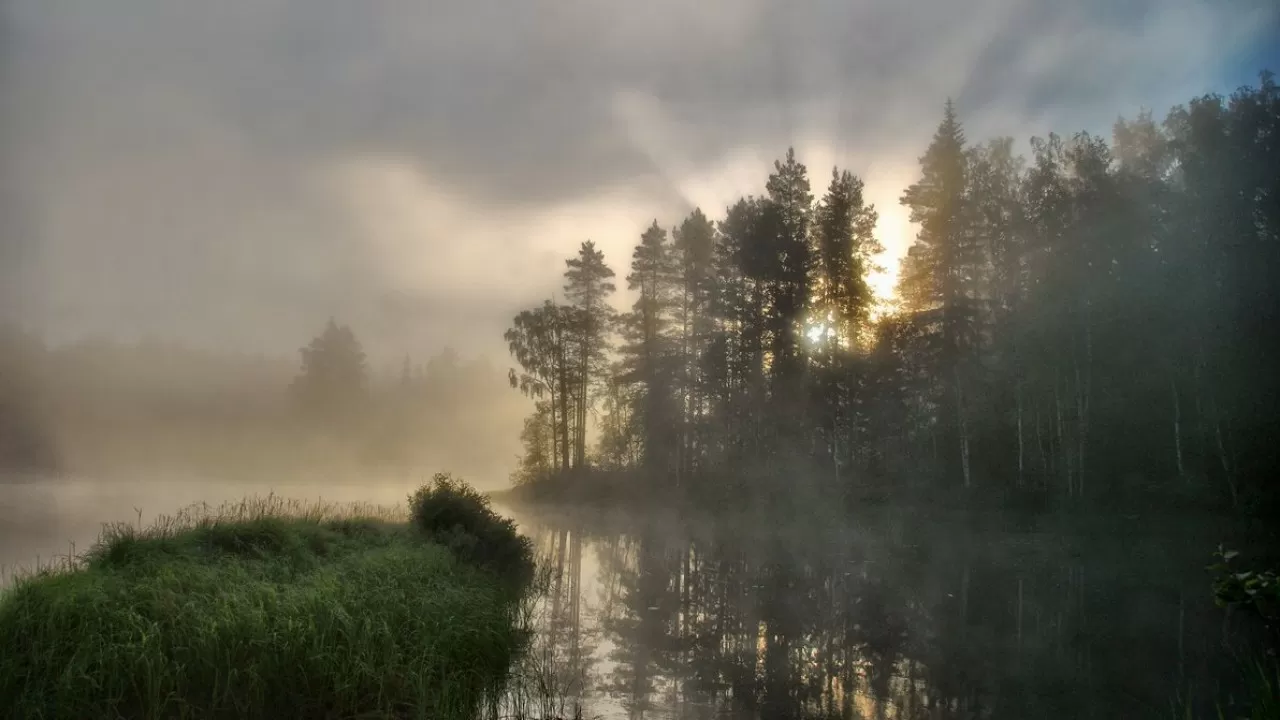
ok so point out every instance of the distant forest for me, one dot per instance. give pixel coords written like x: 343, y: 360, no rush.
x: 1097, y: 321
x: 104, y: 408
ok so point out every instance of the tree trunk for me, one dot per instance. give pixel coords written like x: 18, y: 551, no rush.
x: 555, y: 429
x: 564, y: 413
x: 1021, y: 448
x: 1046, y: 464
x: 1177, y: 426
x: 1019, y: 614
x: 1057, y: 408
x: 964, y: 443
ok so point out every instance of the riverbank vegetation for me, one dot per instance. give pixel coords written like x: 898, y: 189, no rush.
x: 1093, y: 324
x: 269, y: 609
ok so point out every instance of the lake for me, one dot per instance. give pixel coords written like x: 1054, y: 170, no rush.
x: 892, y: 614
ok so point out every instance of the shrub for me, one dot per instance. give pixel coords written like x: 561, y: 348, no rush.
x: 452, y: 513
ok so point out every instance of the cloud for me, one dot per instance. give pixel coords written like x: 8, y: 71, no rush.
x: 233, y: 172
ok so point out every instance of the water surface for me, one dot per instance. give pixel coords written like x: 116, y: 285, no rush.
x: 892, y: 615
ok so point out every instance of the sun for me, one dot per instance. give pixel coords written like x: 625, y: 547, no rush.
x: 816, y: 332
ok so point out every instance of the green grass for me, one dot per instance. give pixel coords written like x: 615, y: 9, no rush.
x: 262, y: 609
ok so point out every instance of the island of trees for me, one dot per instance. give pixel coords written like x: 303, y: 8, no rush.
x: 1095, y: 322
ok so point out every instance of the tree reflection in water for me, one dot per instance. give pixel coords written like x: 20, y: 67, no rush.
x: 660, y: 618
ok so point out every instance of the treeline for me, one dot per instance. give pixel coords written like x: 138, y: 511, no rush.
x: 107, y: 408
x: 1094, y: 320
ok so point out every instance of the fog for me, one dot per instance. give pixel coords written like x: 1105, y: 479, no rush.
x: 226, y: 178
x: 303, y: 247
x: 231, y: 175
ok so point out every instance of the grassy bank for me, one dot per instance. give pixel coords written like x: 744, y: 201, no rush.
x: 273, y: 609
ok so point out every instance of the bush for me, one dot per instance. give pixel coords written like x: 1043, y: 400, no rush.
x: 454, y: 514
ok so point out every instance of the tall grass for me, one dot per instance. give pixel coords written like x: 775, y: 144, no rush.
x: 266, y: 608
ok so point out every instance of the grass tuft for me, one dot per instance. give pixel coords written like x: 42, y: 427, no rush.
x: 266, y: 608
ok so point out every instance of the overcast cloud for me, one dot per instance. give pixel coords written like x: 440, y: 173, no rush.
x: 231, y: 173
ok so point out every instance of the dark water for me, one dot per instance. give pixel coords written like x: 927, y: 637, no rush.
x: 893, y: 615
x: 896, y: 615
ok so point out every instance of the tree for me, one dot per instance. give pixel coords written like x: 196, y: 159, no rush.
x: 619, y: 445
x: 539, y: 341
x: 845, y: 242
x: 648, y: 355
x: 790, y: 263
x: 735, y: 366
x: 694, y: 248
x: 588, y: 286
x: 995, y: 193
x: 939, y: 278
x: 1084, y: 323
x: 538, y: 440
x: 844, y: 235
x: 332, y: 387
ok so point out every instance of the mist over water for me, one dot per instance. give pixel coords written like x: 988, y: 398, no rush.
x: 893, y: 614
x: 889, y: 616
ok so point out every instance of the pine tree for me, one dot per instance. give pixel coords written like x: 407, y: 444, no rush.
x: 735, y: 366
x: 694, y: 247
x: 649, y: 356
x: 790, y: 262
x: 845, y: 244
x: 844, y: 235
x: 938, y: 283
x: 588, y: 286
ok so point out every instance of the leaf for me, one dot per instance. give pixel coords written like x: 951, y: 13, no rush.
x: 1228, y: 555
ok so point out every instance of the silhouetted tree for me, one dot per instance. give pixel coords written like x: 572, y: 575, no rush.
x: 694, y: 247
x: 539, y: 340
x: 846, y: 245
x: 588, y: 287
x: 1096, y: 319
x: 332, y: 385
x: 649, y: 354
x: 938, y: 284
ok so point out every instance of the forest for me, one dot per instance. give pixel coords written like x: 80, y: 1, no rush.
x: 1090, y: 322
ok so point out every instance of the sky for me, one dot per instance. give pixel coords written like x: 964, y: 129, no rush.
x: 231, y: 174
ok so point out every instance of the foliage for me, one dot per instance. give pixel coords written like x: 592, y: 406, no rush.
x: 257, y: 610
x: 1258, y: 590
x: 539, y: 342
x: 1259, y: 593
x: 452, y: 513
x: 588, y: 286
x: 1091, y: 324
